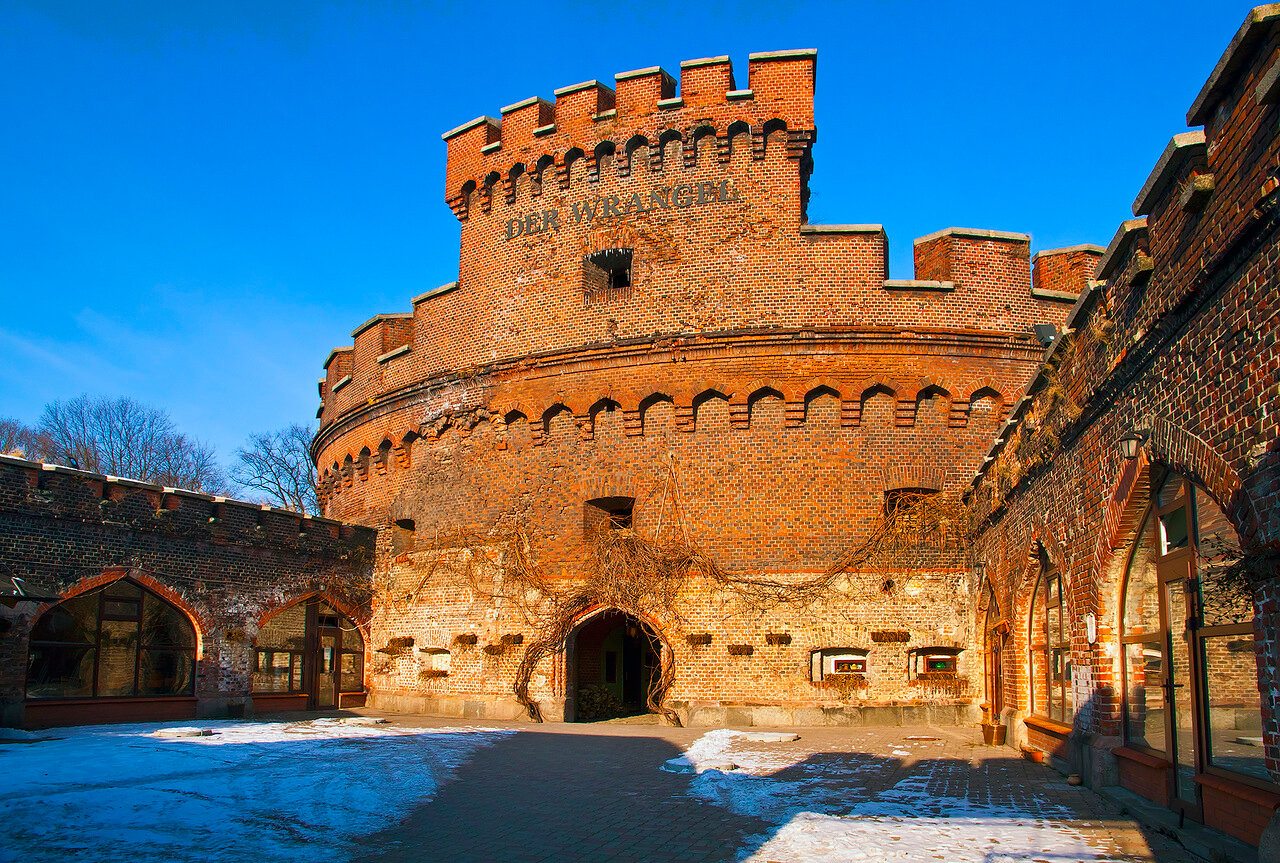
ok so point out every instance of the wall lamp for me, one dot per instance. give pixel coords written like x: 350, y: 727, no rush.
x: 1131, y: 443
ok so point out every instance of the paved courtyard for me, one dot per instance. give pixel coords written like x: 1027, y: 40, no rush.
x: 429, y: 789
x: 594, y: 792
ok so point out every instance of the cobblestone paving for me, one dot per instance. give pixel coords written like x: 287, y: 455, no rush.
x: 594, y: 792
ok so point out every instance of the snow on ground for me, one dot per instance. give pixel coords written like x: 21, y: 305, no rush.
x: 824, y: 814
x: 258, y: 791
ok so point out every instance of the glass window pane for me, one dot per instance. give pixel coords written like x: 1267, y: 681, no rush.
x: 1068, y: 696
x: 165, y: 626
x: 1039, y: 681
x: 167, y: 672
x: 1173, y: 487
x: 120, y: 608
x: 75, y: 620
x: 1144, y: 721
x: 275, y: 671
x: 351, y: 638
x: 351, y: 676
x: 124, y: 589
x: 1235, y: 707
x: 1174, y: 528
x: 285, y: 631
x: 58, y: 671
x: 1225, y: 596
x: 1142, y: 587
x: 117, y: 657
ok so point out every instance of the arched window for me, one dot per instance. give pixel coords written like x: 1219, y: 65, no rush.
x: 1190, y: 662
x: 120, y: 640
x: 309, y: 649
x: 1050, y: 644
x: 995, y: 629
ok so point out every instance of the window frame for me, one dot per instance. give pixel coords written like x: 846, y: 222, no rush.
x: 101, y: 615
x: 1050, y: 650
x: 1198, y: 633
x: 319, y: 616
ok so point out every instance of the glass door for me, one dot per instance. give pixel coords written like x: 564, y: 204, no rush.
x: 1180, y: 692
x: 1176, y: 566
x: 327, y: 669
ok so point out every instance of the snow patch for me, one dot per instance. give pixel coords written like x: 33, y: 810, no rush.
x: 252, y: 790
x: 822, y: 813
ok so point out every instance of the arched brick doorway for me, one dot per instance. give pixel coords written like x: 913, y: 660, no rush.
x: 613, y: 661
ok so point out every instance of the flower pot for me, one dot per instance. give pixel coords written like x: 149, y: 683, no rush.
x: 994, y: 735
x: 1033, y: 755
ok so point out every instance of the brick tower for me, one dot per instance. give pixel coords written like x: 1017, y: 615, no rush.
x: 647, y: 333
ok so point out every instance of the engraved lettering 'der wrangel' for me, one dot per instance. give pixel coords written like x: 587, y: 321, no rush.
x: 680, y: 197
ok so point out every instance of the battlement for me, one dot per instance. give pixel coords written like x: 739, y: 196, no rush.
x: 961, y: 276
x: 590, y: 121
x: 1063, y: 274
x: 62, y: 492
x: 1207, y: 186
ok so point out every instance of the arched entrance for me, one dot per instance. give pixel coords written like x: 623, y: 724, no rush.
x: 614, y: 661
x: 309, y: 656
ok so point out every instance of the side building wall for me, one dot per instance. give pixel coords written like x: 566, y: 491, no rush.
x: 227, y: 565
x: 1178, y: 344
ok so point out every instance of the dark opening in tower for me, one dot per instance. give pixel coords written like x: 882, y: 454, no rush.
x: 606, y: 513
x: 606, y: 274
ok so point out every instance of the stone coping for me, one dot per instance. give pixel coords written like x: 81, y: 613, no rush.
x: 842, y: 229
x: 1181, y: 149
x: 393, y: 353
x: 378, y: 318
x: 1065, y: 250
x: 1253, y: 30
x: 1119, y: 246
x: 523, y: 103
x: 917, y: 285
x: 333, y: 353
x: 644, y: 73
x: 704, y: 61
x: 793, y: 54
x: 580, y: 86
x: 90, y: 476
x: 435, y: 292
x: 470, y: 124
x: 975, y: 233
x: 1056, y: 296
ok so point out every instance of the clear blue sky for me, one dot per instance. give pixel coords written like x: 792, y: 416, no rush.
x: 200, y: 199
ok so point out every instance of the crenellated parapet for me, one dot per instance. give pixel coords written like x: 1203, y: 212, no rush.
x: 1180, y: 283
x: 965, y: 279
x: 58, y: 492
x: 642, y: 118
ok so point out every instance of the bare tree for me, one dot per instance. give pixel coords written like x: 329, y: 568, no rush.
x: 19, y: 439
x: 123, y: 437
x: 278, y: 463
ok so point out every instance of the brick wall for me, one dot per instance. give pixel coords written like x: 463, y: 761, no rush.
x: 226, y: 564
x: 761, y: 373
x: 1180, y: 339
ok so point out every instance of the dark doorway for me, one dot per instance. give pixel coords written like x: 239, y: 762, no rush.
x: 614, y: 662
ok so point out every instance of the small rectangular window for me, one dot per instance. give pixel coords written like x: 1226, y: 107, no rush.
x: 606, y: 275
x: 607, y: 513
x: 610, y: 666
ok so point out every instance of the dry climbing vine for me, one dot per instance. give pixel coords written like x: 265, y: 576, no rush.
x: 637, y: 574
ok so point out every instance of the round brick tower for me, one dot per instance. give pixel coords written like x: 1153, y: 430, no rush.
x: 646, y: 334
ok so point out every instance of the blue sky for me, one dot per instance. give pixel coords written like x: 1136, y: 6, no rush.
x: 202, y: 198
